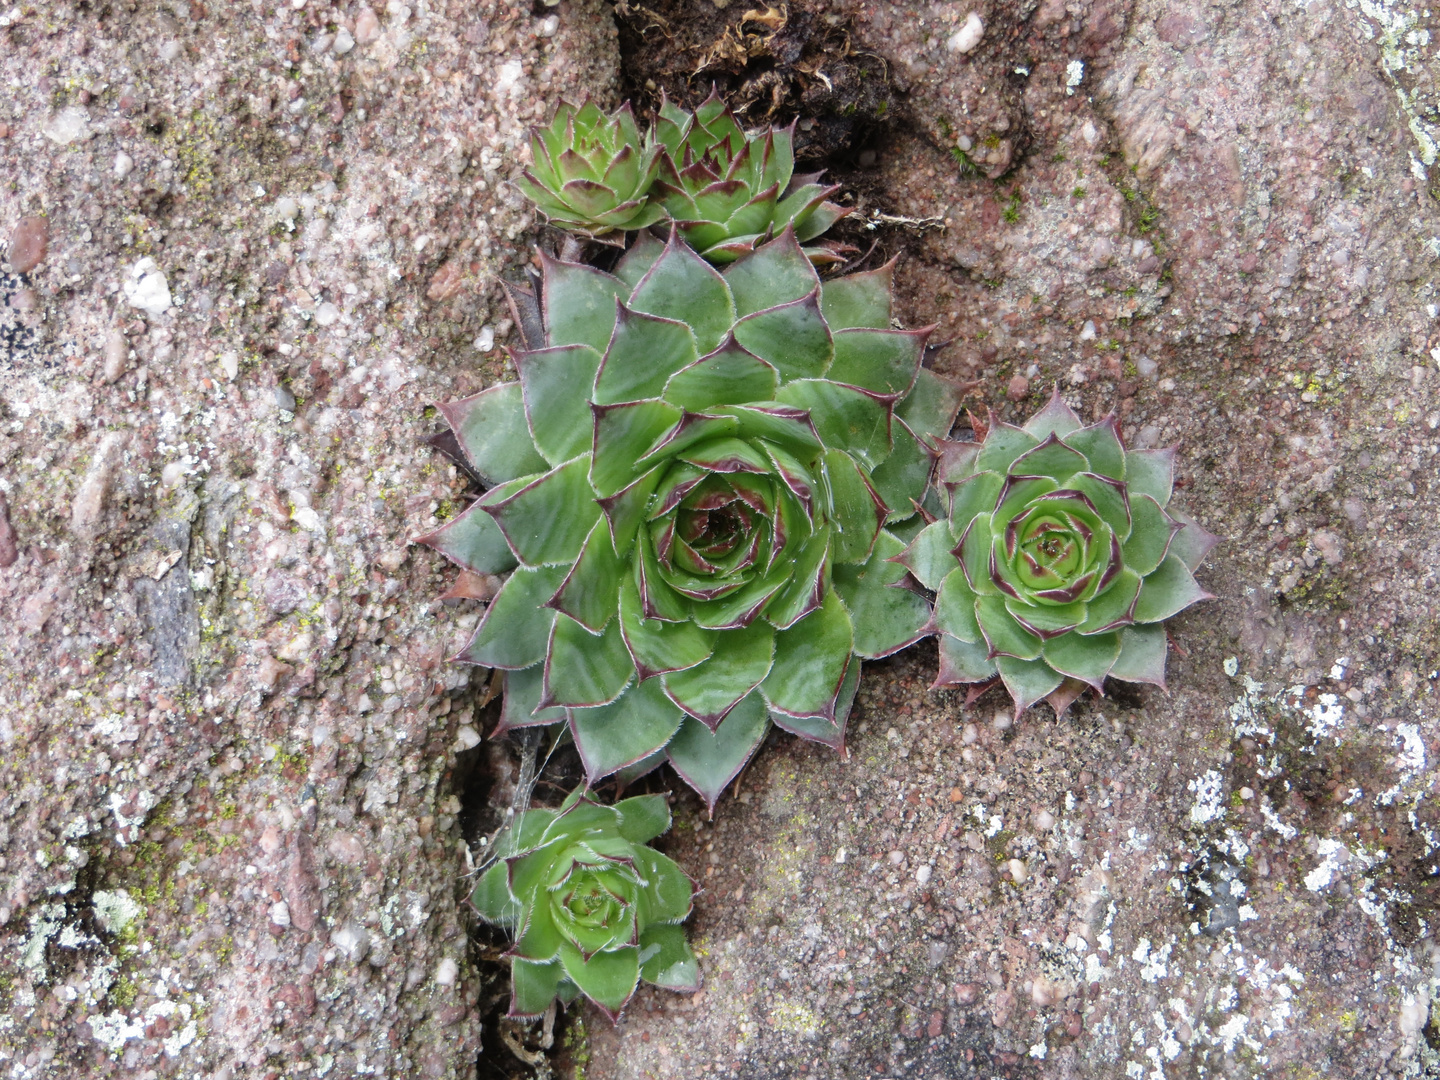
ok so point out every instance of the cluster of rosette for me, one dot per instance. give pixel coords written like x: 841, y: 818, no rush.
x: 695, y: 481
x: 725, y: 190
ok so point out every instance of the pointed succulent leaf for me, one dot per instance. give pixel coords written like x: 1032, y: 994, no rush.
x: 955, y: 609
x: 533, y: 986
x: 546, y: 522
x: 1051, y: 458
x: 474, y: 541
x: 666, y: 895
x: 492, y: 430
x: 643, y: 353
x: 623, y: 434
x: 779, y: 424
x: 643, y: 817
x: 810, y: 662
x: 1110, y: 498
x: 579, y: 303
x: 957, y: 462
x: 1087, y: 658
x: 1142, y: 655
x: 1002, y: 446
x: 630, y: 729
x: 606, y: 978
x: 976, y: 494
x: 539, y: 938
x: 1170, y: 589
x: 656, y: 646
x: 556, y: 384
x: 774, y: 273
x: 590, y: 593
x: 740, y: 662
x: 887, y: 617
x: 492, y: 897
x: 1151, y: 472
x: 516, y: 627
x: 844, y: 418
x: 859, y: 299
x: 681, y: 286
x: 901, y: 479
x: 625, y: 510
x: 929, y: 555
x: 1101, y: 445
x: 882, y: 361
x: 805, y: 589
x: 818, y: 728
x: 931, y: 407
x: 583, y: 670
x: 1150, y: 535
x: 856, y: 512
x: 728, y: 376
x: 793, y: 337
x: 973, y: 551
x: 963, y: 662
x: 1192, y: 542
x: 666, y: 959
x: 638, y: 258
x: 1003, y: 634
x: 708, y: 760
x: 523, y: 690
x: 1114, y: 607
x: 1055, y: 418
x: 1027, y: 681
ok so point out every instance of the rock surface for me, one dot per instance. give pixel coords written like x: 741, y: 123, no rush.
x: 234, y: 753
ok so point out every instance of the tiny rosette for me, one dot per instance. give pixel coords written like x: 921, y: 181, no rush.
x: 728, y: 191
x: 591, y: 908
x: 592, y: 173
x: 1060, y: 558
x: 695, y: 483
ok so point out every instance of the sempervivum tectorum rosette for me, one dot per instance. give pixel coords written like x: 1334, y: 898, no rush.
x: 592, y: 909
x: 728, y: 191
x: 693, y: 478
x: 592, y: 173
x: 1060, y: 559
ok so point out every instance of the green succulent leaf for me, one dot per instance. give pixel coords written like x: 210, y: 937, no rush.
x: 643, y: 817
x: 579, y: 303
x: 1151, y: 472
x: 547, y: 521
x: 474, y: 541
x: 644, y: 352
x: 1087, y: 658
x: 740, y: 662
x: 882, y: 361
x: 929, y: 556
x: 657, y: 646
x: 1051, y: 458
x: 556, y: 383
x: 728, y: 376
x: 931, y: 407
x: 533, y: 986
x: 955, y: 609
x: 1056, y: 418
x: 623, y: 434
x: 492, y: 430
x: 665, y: 897
x: 818, y: 728
x: 1002, y: 446
x: 902, y: 478
x: 1142, y: 655
x: 708, y: 760
x: 638, y: 258
x: 774, y: 273
x: 516, y: 627
x: 964, y: 662
x: 859, y: 300
x: 1002, y: 633
x: 811, y: 658
x: 630, y: 729
x: 591, y: 591
x: 1027, y: 681
x: 792, y: 337
x: 521, y: 707
x: 682, y: 286
x: 492, y: 897
x: 1149, y: 537
x: 856, y: 512
x: 887, y: 616
x: 1170, y: 589
x: 1101, y: 445
x: 1114, y: 607
x: 973, y: 496
x: 607, y: 978
x: 845, y: 418
x: 666, y: 959
x: 583, y: 670
x: 1191, y: 543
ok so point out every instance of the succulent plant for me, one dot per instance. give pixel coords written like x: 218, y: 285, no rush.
x: 693, y: 481
x: 592, y: 909
x: 1060, y: 559
x: 728, y: 191
x: 592, y: 173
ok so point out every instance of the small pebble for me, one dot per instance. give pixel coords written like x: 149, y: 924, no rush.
x: 549, y: 25
x: 123, y: 164
x: 896, y: 858
x: 965, y: 143
x: 286, y: 208
x: 9, y: 548
x: 68, y: 126
x: 280, y: 913
x: 486, y: 341
x: 1044, y: 821
x: 1003, y: 720
x: 1018, y: 388
x: 1087, y: 332
x: 367, y: 26
x: 922, y: 875
x: 1019, y: 872
x: 29, y: 242
x: 446, y: 972
x: 343, y: 43
x: 467, y: 737
x: 968, y: 36
x: 327, y: 314
x: 867, y: 158
x: 284, y: 399
x: 966, y: 993
x: 1043, y: 991
x: 147, y: 289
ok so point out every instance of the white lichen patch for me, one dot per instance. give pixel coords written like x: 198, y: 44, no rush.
x: 1326, y: 717
x: 1209, y: 791
x: 116, y: 909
